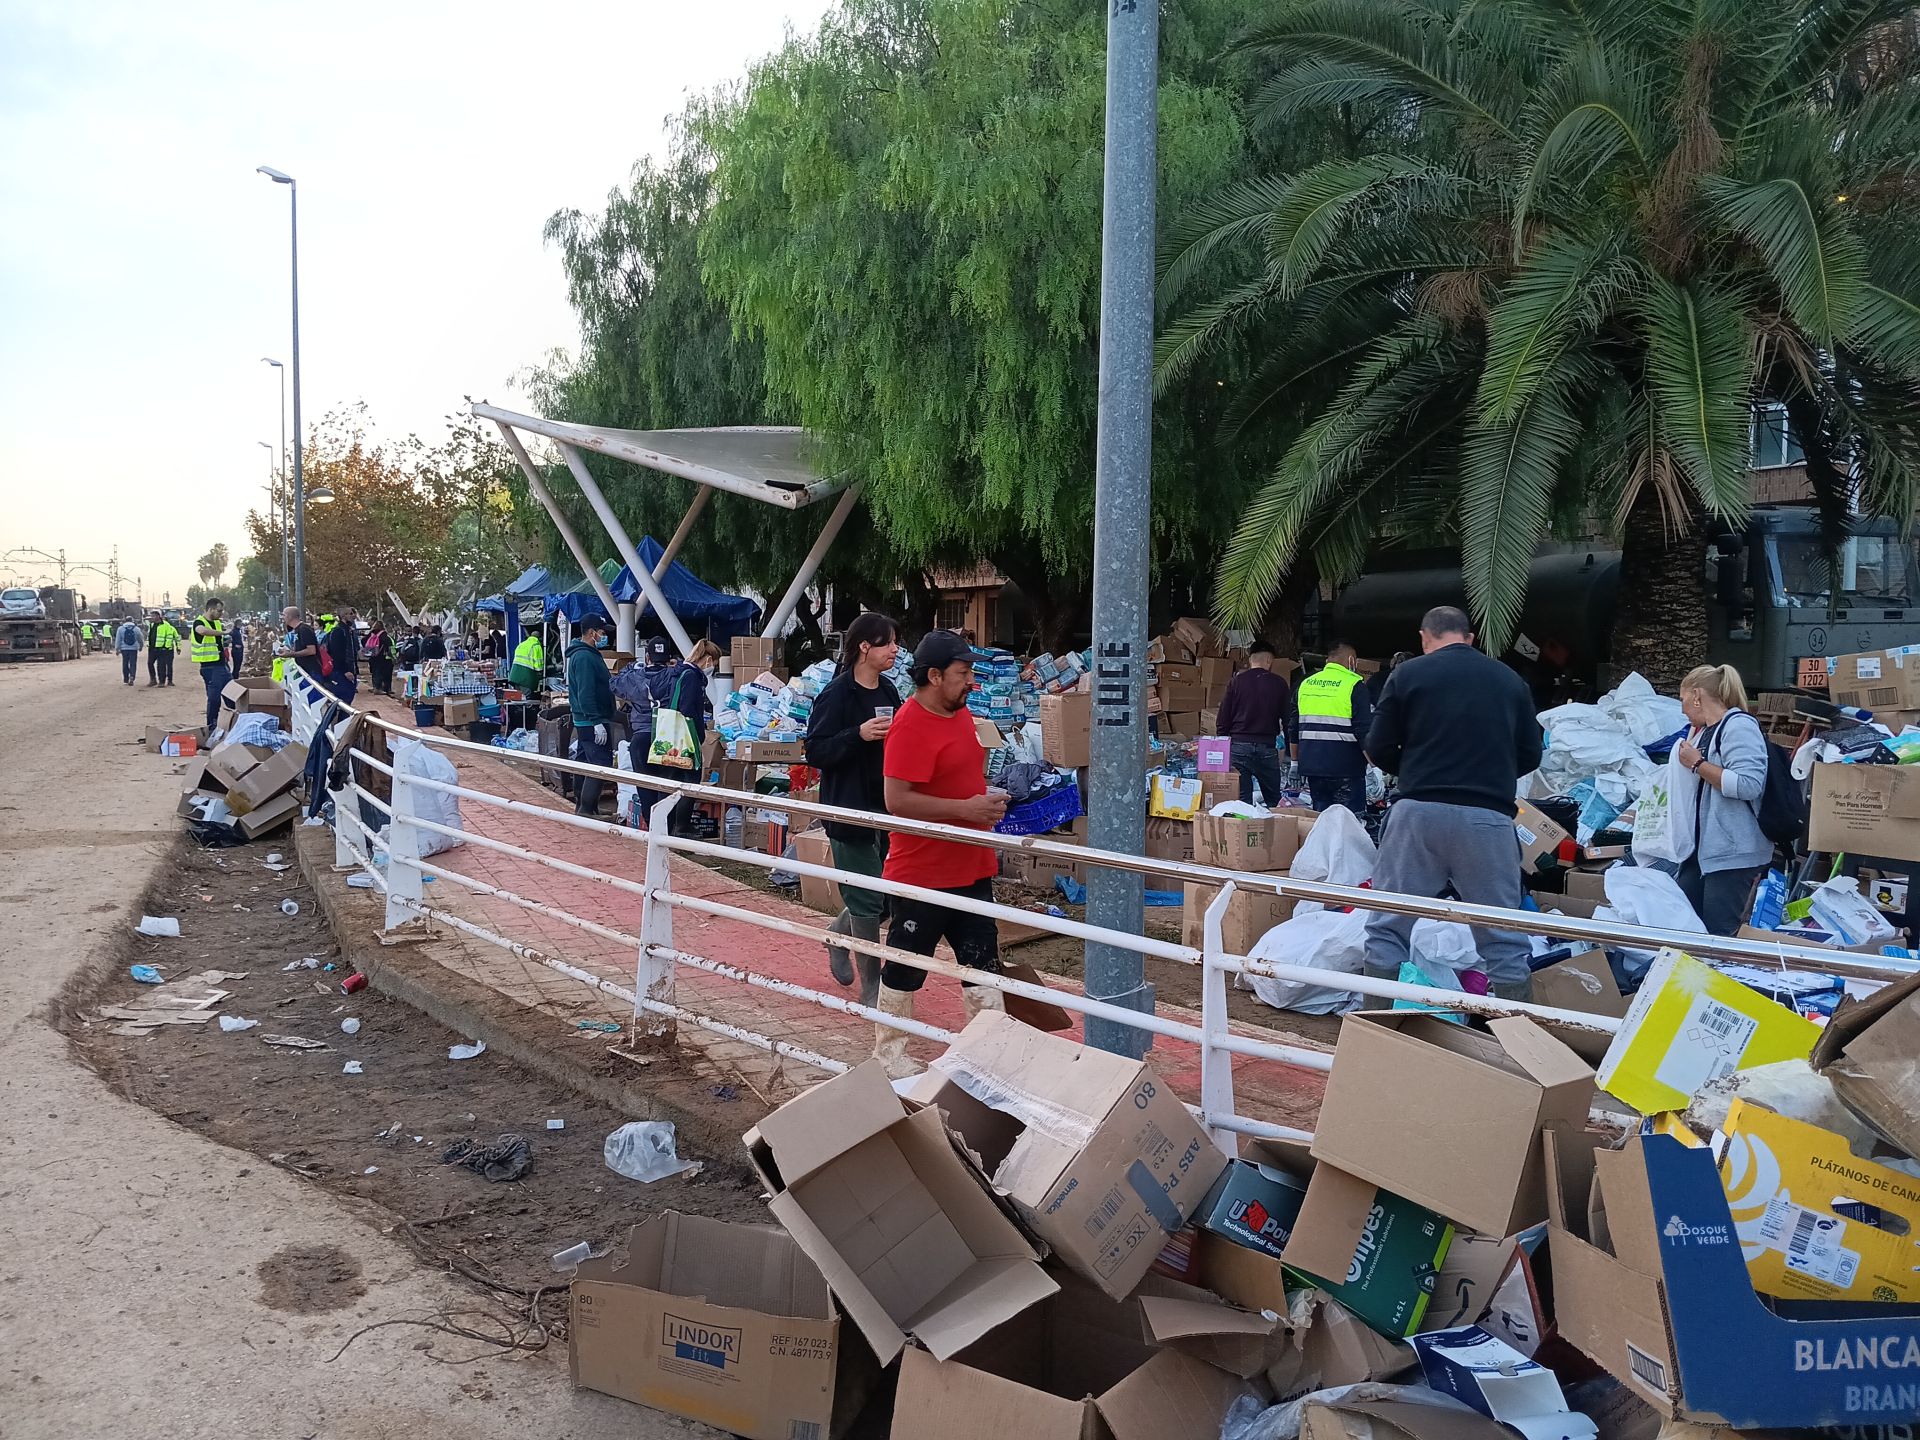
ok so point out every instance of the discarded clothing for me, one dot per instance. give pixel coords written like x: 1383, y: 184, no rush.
x: 507, y: 1158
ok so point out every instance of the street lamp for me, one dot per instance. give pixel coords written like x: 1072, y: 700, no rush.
x: 299, y: 469
x: 268, y: 360
x: 320, y: 495
x: 276, y: 510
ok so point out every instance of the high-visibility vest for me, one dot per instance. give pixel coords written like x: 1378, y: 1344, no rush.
x: 208, y: 651
x: 165, y: 637
x: 87, y: 630
x: 1326, y: 705
x: 530, y: 653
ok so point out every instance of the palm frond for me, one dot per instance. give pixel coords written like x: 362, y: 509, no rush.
x: 1209, y: 329
x: 1808, y: 242
x: 1566, y: 286
x: 1698, y: 382
x: 1509, y: 472
x: 1822, y: 34
x: 1590, y: 111
x: 1397, y: 42
x: 1309, y: 85
x: 1878, y: 141
x: 1887, y: 326
x: 1327, y: 331
x: 1236, y: 213
x: 1325, y: 201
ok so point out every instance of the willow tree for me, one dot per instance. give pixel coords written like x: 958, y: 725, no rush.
x: 1603, y: 231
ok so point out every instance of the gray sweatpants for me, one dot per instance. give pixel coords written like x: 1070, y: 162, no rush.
x: 1426, y: 847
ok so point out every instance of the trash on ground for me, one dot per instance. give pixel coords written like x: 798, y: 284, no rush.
x: 289, y: 907
x: 556, y: 1124
x: 231, y: 1023
x: 644, y: 1150
x: 145, y: 974
x: 573, y: 1255
x: 292, y: 1042
x: 507, y: 1158
x: 158, y: 926
x: 351, y: 1025
x: 467, y: 1051
x: 606, y: 1027
x: 360, y: 881
x: 352, y: 1067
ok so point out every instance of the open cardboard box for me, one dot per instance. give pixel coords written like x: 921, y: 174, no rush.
x: 1650, y: 1281
x: 1082, y: 1366
x: 1867, y: 1052
x: 903, y: 1229
x: 1450, y: 1117
x: 726, y: 1324
x: 1098, y: 1156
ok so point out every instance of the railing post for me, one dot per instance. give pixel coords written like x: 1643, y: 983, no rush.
x: 403, y: 854
x: 1216, y: 1065
x: 654, y: 977
x: 349, y: 834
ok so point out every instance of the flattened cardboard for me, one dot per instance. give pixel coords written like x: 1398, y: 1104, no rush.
x: 1351, y: 1419
x: 1102, y: 1161
x: 1866, y: 810
x: 279, y: 771
x: 1327, y: 1346
x: 270, y: 816
x: 1867, y: 1053
x: 1448, y: 1117
x: 730, y: 1325
x: 909, y: 1240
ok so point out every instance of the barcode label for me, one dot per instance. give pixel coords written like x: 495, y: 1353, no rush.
x: 803, y: 1430
x: 1720, y: 1021
x: 1646, y: 1369
x: 1707, y: 1043
x: 1102, y: 1217
x: 1802, y: 1237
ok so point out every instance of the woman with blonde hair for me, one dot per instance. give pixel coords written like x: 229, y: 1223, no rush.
x: 1727, y: 752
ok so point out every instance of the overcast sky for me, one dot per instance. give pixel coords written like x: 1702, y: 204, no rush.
x: 144, y: 265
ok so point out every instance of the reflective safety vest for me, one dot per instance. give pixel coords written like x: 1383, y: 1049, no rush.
x: 1326, y: 720
x: 208, y: 651
x: 87, y: 630
x: 530, y: 654
x: 165, y: 637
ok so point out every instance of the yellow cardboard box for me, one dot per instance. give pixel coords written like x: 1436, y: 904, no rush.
x: 1690, y: 1024
x: 1805, y: 1206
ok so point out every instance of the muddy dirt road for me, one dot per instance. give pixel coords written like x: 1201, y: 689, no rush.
x: 154, y: 1283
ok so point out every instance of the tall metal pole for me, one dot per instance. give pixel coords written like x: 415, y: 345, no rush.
x: 1122, y: 505
x: 299, y: 468
x: 280, y: 497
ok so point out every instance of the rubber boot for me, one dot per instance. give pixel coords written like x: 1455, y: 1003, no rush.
x: 866, y: 927
x: 890, y: 1045
x: 839, y: 962
x: 982, y: 997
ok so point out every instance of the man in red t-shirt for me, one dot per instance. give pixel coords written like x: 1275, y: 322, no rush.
x: 936, y: 770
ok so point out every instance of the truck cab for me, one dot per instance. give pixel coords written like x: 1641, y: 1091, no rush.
x: 1773, y: 598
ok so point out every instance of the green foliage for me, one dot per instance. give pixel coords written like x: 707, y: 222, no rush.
x: 212, y: 565
x: 255, y: 585
x: 1605, y: 230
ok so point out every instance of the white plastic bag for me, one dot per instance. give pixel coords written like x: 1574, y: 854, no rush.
x: 1637, y: 896
x: 1337, y: 850
x: 1442, y: 949
x: 623, y: 795
x: 1839, y: 907
x: 1330, y: 940
x: 413, y: 757
x: 643, y: 1150
x: 1666, y: 814
x: 1646, y: 714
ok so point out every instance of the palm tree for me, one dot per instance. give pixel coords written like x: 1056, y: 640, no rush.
x: 1601, y: 231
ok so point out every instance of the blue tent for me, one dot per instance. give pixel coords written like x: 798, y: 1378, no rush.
x: 700, y: 607
x: 534, y: 581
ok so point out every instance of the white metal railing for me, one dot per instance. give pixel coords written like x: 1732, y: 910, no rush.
x: 658, y: 959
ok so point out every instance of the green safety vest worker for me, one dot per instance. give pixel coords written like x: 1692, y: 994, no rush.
x: 529, y: 664
x: 1330, y: 738
x: 209, y: 641
x: 165, y: 637
x: 87, y: 630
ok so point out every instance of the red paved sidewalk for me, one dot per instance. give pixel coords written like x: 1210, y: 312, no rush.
x: 1263, y: 1089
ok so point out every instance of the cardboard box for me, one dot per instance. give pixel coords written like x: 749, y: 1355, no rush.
x: 730, y: 1325
x: 1066, y: 730
x: 1540, y: 838
x: 1583, y: 982
x: 1215, y: 670
x: 1815, y: 1220
x: 1587, y: 884
x: 1169, y: 839
x: 1373, y: 1251
x: 814, y: 848
x: 268, y: 817
x: 1866, y: 810
x: 1474, y: 1269
x: 770, y: 752
x: 184, y: 740
x: 1099, y: 1157
x: 1254, y: 1205
x: 1689, y: 1025
x: 1198, y: 636
x: 1351, y: 1418
x: 1449, y: 1117
x: 1866, y: 1052
x: 1079, y: 1366
x: 750, y: 654
x: 1217, y: 786
x: 276, y: 772
x: 1485, y: 1372
x: 1213, y: 754
x: 1171, y: 675
x: 1234, y: 844
x: 1331, y: 1348
x: 460, y: 710
x: 909, y: 1240
x: 1874, y: 680
x: 1250, y: 914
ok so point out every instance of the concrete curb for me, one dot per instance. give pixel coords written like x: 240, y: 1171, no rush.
x: 709, y: 1128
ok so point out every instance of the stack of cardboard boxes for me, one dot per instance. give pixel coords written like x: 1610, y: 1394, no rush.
x: 1264, y: 846
x: 1191, y: 668
x: 258, y: 787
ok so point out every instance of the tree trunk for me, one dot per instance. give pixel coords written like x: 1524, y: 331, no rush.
x: 1660, y: 620
x: 1285, y: 624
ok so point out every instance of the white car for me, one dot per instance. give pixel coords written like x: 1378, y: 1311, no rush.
x: 22, y: 602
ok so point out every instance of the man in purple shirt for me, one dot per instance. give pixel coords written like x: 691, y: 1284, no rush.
x: 1256, y: 714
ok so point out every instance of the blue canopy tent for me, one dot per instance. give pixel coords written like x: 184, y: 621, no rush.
x: 536, y: 582
x: 698, y: 604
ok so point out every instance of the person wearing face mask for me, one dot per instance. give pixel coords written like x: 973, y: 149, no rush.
x: 590, y: 699
x: 670, y: 683
x: 846, y: 743
x: 1727, y: 751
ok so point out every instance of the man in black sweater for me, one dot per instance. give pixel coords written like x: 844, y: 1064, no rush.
x: 1458, y: 729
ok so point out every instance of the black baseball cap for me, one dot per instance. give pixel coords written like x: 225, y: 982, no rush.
x: 936, y: 651
x: 659, y: 650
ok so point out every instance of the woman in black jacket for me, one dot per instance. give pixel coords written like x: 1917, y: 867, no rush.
x: 846, y: 743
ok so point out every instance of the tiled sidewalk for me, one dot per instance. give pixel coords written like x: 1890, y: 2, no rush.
x: 1264, y: 1089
